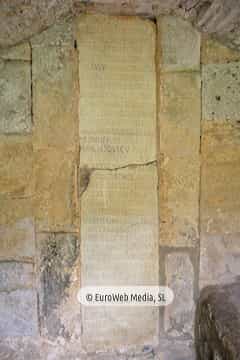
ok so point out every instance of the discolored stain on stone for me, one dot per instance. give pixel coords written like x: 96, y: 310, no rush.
x: 58, y: 254
x: 15, y: 97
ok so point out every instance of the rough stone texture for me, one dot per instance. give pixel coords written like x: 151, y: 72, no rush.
x: 117, y: 91
x: 55, y: 89
x: 219, y: 260
x: 120, y: 247
x: 221, y: 97
x: 179, y: 114
x: 55, y: 198
x: 20, y: 52
x: 180, y: 43
x: 17, y: 240
x: 59, y: 285
x: 220, y: 174
x: 16, y: 275
x: 213, y: 52
x: 15, y: 97
x: 218, y: 323
x: 16, y: 166
x: 178, y: 317
x: 18, y: 300
x: 20, y: 19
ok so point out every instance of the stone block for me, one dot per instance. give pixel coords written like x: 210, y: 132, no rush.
x: 55, y: 96
x: 18, y: 313
x: 213, y: 52
x: 179, y: 43
x: 16, y: 275
x: 19, y: 52
x: 16, y: 166
x: 180, y: 114
x: 179, y: 125
x: 18, y: 300
x: 119, y: 232
x: 179, y: 316
x: 118, y: 91
x: 221, y: 97
x: 179, y: 202
x: 220, y: 188
x: 15, y: 97
x: 55, y: 198
x: 61, y: 34
x: 17, y: 240
x: 59, y: 285
x: 219, y: 258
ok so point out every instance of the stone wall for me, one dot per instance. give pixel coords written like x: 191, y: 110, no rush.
x: 120, y: 158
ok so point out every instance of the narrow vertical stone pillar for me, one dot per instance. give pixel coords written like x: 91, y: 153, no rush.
x: 179, y: 116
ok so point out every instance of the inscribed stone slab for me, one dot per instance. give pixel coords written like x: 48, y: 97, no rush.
x: 117, y: 91
x: 119, y: 233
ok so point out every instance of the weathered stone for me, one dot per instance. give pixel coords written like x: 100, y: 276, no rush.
x: 220, y: 187
x: 20, y: 52
x: 18, y: 313
x: 13, y: 210
x: 55, y: 202
x: 60, y: 310
x: 221, y: 97
x: 179, y: 202
x: 55, y: 91
x: 178, y: 317
x: 218, y: 323
x: 18, y: 300
x: 17, y: 239
x: 117, y: 98
x: 175, y: 349
x: 179, y: 43
x: 16, y: 275
x: 219, y: 258
x: 16, y: 166
x: 180, y: 114
x: 119, y: 232
x: 213, y: 52
x: 15, y: 97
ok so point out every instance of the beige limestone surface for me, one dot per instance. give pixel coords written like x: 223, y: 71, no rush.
x: 117, y: 107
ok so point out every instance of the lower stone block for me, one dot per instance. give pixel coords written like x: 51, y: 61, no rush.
x: 178, y: 317
x: 119, y: 234
x: 59, y: 285
x: 219, y: 258
x: 18, y: 300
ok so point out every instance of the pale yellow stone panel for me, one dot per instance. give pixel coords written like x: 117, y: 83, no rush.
x: 119, y: 232
x: 117, y: 91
